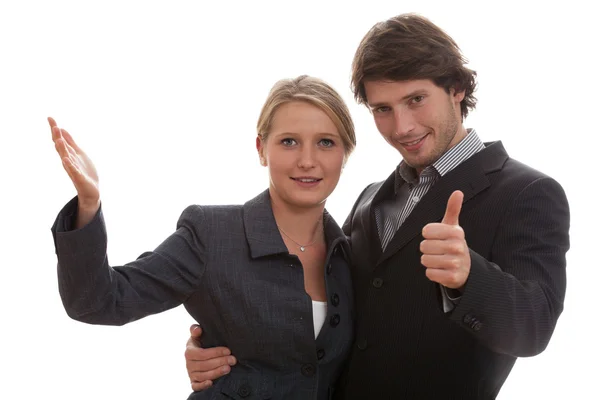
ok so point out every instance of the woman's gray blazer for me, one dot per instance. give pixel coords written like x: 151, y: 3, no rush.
x: 230, y: 268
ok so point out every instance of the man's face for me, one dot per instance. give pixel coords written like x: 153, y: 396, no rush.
x: 421, y: 120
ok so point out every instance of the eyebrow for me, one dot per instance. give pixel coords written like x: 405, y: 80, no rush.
x: 418, y: 92
x: 318, y: 133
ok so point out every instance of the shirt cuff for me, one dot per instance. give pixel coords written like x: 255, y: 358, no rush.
x: 449, y: 301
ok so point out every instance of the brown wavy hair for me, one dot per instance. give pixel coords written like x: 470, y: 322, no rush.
x: 408, y: 47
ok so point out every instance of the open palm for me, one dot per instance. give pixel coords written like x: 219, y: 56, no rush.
x: 78, y: 165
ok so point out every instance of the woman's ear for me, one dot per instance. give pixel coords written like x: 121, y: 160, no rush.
x: 261, y: 151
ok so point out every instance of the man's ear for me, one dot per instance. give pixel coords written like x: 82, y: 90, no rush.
x: 457, y: 96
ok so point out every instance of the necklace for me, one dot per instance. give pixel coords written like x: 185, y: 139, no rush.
x: 302, y: 246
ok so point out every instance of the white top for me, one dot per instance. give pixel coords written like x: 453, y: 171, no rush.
x: 319, y: 314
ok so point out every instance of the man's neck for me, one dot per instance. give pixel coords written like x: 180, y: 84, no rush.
x: 461, y: 133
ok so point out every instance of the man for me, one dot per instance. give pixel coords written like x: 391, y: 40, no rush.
x: 459, y: 256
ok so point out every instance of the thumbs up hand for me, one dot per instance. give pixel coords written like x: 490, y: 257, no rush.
x: 445, y: 252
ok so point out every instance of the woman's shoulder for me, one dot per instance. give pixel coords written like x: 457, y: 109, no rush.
x: 212, y: 214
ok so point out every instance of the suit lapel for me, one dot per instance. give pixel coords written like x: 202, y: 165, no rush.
x: 470, y: 177
x: 365, y: 225
x: 385, y: 191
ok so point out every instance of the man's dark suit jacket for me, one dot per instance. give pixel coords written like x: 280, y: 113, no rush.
x: 516, y: 223
x: 231, y: 269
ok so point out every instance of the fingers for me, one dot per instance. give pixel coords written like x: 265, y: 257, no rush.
x: 201, y: 376
x: 66, y: 148
x: 205, y: 365
x: 56, y: 133
x: 213, y: 364
x: 54, y: 129
x: 439, y: 247
x: 440, y: 231
x: 63, y: 148
x: 67, y: 136
x: 74, y: 173
x: 198, y: 386
x: 195, y: 331
x: 70, y: 168
x: 453, y: 208
x: 443, y: 261
x: 59, y: 133
x: 52, y: 122
x: 195, y: 353
x: 449, y: 279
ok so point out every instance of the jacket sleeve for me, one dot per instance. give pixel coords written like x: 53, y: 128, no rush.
x: 94, y: 292
x: 513, y: 303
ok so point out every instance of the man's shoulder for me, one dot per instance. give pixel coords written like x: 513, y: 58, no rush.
x: 515, y: 177
x: 517, y: 171
x: 495, y: 160
x: 370, y: 191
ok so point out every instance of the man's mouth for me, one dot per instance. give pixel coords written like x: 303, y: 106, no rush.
x: 412, y: 143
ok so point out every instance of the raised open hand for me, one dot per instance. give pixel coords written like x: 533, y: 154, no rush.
x: 79, y: 167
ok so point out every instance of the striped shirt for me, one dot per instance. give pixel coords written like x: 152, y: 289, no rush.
x: 394, y: 211
x: 410, y: 188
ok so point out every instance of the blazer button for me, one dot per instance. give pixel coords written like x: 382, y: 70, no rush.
x: 335, y: 300
x: 245, y: 390
x: 329, y: 269
x: 476, y: 326
x: 308, y: 370
x: 320, y: 354
x: 468, y: 318
x: 362, y: 344
x: 334, y: 320
x: 377, y: 282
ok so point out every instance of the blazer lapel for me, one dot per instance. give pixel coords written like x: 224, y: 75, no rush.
x: 470, y: 177
x: 368, y: 220
x: 261, y: 229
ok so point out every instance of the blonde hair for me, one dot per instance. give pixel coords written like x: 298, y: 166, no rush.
x: 316, y: 92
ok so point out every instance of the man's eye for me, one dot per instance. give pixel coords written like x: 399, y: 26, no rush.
x: 382, y: 109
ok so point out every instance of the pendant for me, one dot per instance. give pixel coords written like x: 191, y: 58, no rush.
x: 302, y: 248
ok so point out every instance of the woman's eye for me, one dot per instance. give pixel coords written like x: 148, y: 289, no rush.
x: 327, y: 142
x: 288, y: 142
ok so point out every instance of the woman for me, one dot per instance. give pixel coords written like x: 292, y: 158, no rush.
x: 269, y: 279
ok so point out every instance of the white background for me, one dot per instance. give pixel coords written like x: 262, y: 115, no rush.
x: 164, y: 97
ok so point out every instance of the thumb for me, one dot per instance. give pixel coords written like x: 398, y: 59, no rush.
x: 195, y: 331
x: 453, y: 208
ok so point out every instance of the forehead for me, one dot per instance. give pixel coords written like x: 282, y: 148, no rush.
x: 392, y: 91
x: 302, y: 117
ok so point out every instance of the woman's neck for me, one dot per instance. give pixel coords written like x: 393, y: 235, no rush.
x: 300, y: 224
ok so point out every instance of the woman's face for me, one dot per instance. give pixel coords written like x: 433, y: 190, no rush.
x: 304, y: 154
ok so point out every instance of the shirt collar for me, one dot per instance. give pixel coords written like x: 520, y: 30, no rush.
x: 462, y: 151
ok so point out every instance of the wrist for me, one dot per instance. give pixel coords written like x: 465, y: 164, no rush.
x: 88, y: 206
x: 85, y: 213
